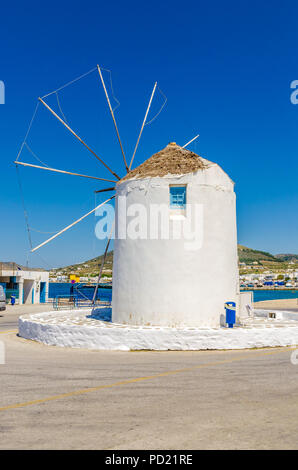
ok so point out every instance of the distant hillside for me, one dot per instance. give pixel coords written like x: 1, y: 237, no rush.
x: 246, y: 255
x: 94, y: 262
x: 88, y: 268
x: 287, y: 257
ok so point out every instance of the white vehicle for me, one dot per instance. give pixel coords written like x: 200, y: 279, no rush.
x: 289, y: 284
x: 2, y: 299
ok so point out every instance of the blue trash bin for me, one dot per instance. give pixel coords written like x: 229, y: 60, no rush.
x: 13, y: 300
x: 230, y: 313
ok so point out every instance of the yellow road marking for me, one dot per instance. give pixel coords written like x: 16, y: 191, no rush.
x: 138, y: 379
x: 8, y: 331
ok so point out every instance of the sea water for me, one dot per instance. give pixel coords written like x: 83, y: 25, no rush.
x: 63, y: 288
x: 260, y: 295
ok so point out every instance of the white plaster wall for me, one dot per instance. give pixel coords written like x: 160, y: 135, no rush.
x: 29, y: 285
x: 160, y: 282
x: 49, y: 328
x: 31, y: 275
x: 27, y: 288
x: 36, y: 277
x: 21, y: 287
x: 36, y: 291
x: 47, y: 290
x: 245, y: 299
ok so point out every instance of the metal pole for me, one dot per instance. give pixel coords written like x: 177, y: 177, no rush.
x: 102, y: 265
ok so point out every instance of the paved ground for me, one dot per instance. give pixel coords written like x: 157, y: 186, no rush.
x: 56, y: 398
x: 9, y: 317
x: 279, y: 304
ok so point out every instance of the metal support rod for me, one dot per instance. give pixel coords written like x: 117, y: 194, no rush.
x: 79, y: 138
x: 102, y: 264
x: 62, y: 171
x: 71, y: 225
x: 113, y: 117
x: 144, y: 122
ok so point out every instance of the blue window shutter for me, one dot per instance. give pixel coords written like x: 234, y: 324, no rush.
x: 178, y: 197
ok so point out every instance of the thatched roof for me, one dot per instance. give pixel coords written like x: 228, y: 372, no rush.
x: 172, y: 160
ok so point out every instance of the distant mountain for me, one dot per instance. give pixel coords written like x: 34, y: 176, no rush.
x: 287, y: 257
x: 246, y: 255
x: 87, y: 268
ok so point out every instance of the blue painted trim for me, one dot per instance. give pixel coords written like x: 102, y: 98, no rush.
x: 178, y: 197
x: 42, y: 298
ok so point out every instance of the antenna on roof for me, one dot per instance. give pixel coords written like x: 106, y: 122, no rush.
x: 191, y: 141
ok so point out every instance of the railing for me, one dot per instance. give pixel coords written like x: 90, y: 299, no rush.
x: 69, y: 302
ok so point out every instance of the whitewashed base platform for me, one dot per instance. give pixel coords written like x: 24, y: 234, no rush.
x: 77, y: 329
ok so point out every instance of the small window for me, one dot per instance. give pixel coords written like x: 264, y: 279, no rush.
x: 177, y: 197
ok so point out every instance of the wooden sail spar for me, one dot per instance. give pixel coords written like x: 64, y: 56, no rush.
x: 105, y: 189
x: 113, y: 117
x: 63, y: 121
x: 79, y: 138
x: 17, y: 162
x: 144, y: 122
x: 71, y: 225
x: 191, y: 141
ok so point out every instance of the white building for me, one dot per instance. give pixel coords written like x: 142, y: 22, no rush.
x: 175, y: 281
x: 28, y: 285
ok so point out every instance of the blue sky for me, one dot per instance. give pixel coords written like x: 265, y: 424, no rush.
x: 226, y: 69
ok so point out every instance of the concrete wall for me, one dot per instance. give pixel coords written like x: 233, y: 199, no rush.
x: 28, y: 287
x: 161, y: 282
x: 37, y: 288
x: 244, y: 304
x: 27, y: 281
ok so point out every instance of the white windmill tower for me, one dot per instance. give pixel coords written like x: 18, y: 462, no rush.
x: 159, y: 281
